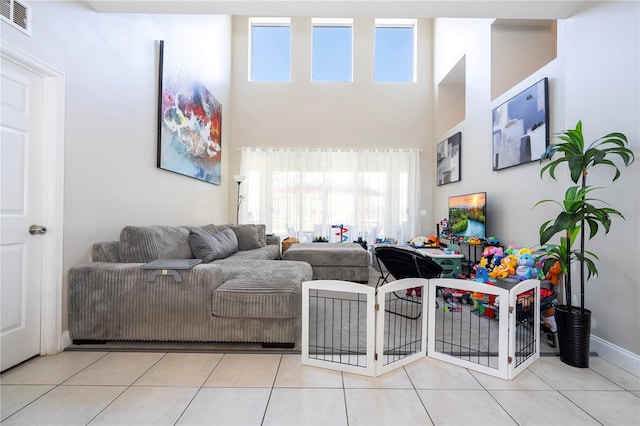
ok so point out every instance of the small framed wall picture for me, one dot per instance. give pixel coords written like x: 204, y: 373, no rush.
x: 448, y: 160
x: 521, y: 127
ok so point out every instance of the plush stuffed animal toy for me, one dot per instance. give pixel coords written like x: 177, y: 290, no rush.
x: 553, y: 273
x: 512, y: 250
x: 511, y: 261
x: 491, y: 257
x: 501, y: 271
x: 525, y: 251
x: 423, y: 241
x: 526, y: 263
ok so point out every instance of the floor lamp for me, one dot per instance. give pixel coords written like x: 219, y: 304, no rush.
x: 238, y: 179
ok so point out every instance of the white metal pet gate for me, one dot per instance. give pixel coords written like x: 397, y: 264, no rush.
x: 359, y: 329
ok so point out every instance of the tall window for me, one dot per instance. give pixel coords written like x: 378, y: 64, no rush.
x: 332, y: 50
x: 395, y: 50
x: 270, y: 49
x: 304, y: 192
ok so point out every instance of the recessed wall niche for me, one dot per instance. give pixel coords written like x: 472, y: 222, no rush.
x: 451, y: 96
x: 519, y: 47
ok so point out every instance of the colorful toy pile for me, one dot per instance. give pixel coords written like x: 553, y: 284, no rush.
x: 512, y: 264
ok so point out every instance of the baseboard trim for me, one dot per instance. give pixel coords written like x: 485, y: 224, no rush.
x: 606, y: 350
x: 616, y: 355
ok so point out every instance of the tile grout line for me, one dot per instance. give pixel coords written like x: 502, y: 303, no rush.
x: 198, y: 391
x: 404, y: 367
x: 273, y: 384
x: 126, y: 387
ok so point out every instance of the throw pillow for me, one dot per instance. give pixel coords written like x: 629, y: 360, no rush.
x: 248, y: 238
x: 142, y: 244
x: 262, y: 234
x: 210, y: 247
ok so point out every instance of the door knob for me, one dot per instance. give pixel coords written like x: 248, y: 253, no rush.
x: 37, y: 229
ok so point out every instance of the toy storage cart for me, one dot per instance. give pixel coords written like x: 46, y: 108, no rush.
x: 451, y: 263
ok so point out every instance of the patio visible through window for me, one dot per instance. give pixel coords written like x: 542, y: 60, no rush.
x: 304, y: 192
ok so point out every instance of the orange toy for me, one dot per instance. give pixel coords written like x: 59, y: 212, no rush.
x: 553, y: 273
x: 501, y: 271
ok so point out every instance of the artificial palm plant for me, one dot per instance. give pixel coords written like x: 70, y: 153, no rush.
x: 578, y: 209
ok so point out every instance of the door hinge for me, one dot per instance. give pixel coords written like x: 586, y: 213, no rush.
x: 510, y: 309
x: 377, y: 306
x: 510, y: 359
x: 375, y: 357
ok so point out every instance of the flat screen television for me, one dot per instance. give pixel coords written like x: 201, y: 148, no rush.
x: 467, y: 215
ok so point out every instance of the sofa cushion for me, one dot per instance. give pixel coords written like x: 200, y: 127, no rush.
x: 142, y: 244
x: 248, y: 238
x: 271, y: 252
x: 211, y: 246
x: 250, y: 298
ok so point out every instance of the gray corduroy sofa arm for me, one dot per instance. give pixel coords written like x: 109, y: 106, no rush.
x: 108, y: 251
x: 115, y: 301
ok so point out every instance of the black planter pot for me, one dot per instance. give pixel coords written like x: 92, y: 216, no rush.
x: 574, y: 335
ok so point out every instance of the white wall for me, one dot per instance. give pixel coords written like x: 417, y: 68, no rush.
x: 111, y: 67
x: 361, y: 114
x: 595, y: 79
x: 602, y: 69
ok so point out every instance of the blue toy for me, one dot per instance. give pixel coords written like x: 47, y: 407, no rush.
x: 526, y: 267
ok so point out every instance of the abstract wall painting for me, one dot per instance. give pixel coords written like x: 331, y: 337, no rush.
x: 189, y: 122
x: 521, y: 127
x: 448, y: 160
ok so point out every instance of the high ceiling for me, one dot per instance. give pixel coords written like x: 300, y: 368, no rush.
x: 505, y: 9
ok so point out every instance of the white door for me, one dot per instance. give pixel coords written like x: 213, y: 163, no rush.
x: 21, y: 206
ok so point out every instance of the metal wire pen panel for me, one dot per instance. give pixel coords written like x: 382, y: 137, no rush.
x: 402, y: 326
x: 484, y: 327
x: 337, y: 326
x: 356, y: 328
x: 466, y: 329
x: 526, y: 325
x: 364, y: 330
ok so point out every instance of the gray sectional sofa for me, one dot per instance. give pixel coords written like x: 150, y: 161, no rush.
x: 243, y: 293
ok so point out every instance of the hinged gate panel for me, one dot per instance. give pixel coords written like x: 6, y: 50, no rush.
x: 338, y: 326
x: 484, y: 327
x: 467, y: 334
x: 345, y: 325
x: 348, y: 327
x: 524, y: 321
x: 401, y: 323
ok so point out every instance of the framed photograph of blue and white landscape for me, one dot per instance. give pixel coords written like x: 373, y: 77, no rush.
x: 521, y: 127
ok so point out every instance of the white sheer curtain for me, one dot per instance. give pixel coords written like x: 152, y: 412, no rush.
x: 306, y: 192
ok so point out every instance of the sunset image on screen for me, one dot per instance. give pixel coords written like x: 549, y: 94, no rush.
x: 467, y: 215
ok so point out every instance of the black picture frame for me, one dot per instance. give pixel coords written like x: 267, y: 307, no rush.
x: 521, y: 127
x: 448, y: 160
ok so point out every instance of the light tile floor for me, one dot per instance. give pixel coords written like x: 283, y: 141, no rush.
x: 138, y: 388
